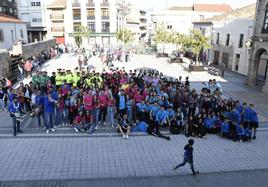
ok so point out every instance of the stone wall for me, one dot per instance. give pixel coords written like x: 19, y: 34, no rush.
x: 28, y: 50
x: 4, y: 64
x: 31, y: 49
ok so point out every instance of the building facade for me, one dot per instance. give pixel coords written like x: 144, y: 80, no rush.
x: 229, y: 33
x: 9, y: 7
x: 179, y: 19
x: 136, y: 22
x: 33, y: 12
x: 12, y: 30
x: 258, y: 45
x: 101, y: 17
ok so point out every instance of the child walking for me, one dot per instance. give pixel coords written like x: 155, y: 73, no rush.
x: 188, y: 156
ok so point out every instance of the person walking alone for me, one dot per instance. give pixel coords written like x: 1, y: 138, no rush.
x: 188, y: 157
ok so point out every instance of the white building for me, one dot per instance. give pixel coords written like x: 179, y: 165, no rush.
x: 102, y: 17
x: 12, y: 30
x: 136, y: 22
x: 229, y: 33
x: 179, y: 19
x: 33, y: 12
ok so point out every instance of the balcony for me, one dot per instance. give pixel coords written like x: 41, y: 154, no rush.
x: 90, y: 3
x: 90, y: 17
x: 105, y: 17
x: 56, y: 16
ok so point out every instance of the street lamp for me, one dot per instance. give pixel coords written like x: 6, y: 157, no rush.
x: 124, y: 10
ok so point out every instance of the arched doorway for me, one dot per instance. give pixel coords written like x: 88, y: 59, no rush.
x: 261, y: 57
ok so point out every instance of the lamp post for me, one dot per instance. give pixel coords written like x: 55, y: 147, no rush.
x: 124, y: 8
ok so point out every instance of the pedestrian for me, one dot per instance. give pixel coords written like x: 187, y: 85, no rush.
x: 223, y: 67
x: 15, y: 113
x: 254, y: 121
x: 28, y: 67
x: 80, y: 62
x: 188, y: 157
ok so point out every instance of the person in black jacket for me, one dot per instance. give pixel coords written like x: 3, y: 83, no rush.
x: 188, y: 157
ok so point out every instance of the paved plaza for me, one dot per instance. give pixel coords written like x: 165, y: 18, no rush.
x: 113, y: 157
x: 37, y: 159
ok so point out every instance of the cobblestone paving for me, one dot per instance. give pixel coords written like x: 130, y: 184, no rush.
x: 113, y: 157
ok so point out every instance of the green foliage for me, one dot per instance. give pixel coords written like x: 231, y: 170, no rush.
x: 162, y: 36
x: 80, y: 32
x: 128, y: 36
x: 196, y: 42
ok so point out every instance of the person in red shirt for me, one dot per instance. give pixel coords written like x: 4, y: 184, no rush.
x: 96, y: 112
x: 78, y: 122
x: 28, y: 68
x: 103, y: 107
x: 111, y: 110
x: 88, y: 101
x: 88, y: 122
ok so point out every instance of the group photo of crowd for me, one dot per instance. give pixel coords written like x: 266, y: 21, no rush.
x: 141, y: 100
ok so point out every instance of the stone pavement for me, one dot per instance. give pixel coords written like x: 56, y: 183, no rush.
x: 112, y: 157
x: 246, y: 178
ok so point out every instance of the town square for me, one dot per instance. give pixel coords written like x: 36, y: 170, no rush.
x: 113, y: 93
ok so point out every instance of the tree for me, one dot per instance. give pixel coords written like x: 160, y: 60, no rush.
x: 128, y: 36
x: 196, y: 42
x: 176, y: 39
x: 80, y: 32
x: 162, y: 36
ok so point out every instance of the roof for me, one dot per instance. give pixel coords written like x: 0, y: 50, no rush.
x: 212, y: 7
x: 57, y: 4
x: 244, y: 12
x: 181, y: 8
x: 9, y: 19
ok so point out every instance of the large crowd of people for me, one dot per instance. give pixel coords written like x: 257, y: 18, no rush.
x: 138, y: 100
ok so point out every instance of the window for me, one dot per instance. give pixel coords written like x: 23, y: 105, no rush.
x: 201, y: 17
x: 35, y: 3
x: 77, y: 14
x: 91, y: 14
x: 169, y: 27
x: 104, y: 13
x: 36, y: 20
x: 227, y: 39
x: 91, y: 26
x: 12, y: 35
x: 241, y: 41
x: 1, y: 9
x: 10, y: 10
x: 265, y: 24
x: 218, y: 38
x: 21, y: 33
x: 1, y: 36
x: 105, y: 27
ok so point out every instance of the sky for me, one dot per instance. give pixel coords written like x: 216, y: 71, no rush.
x: 161, y: 4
